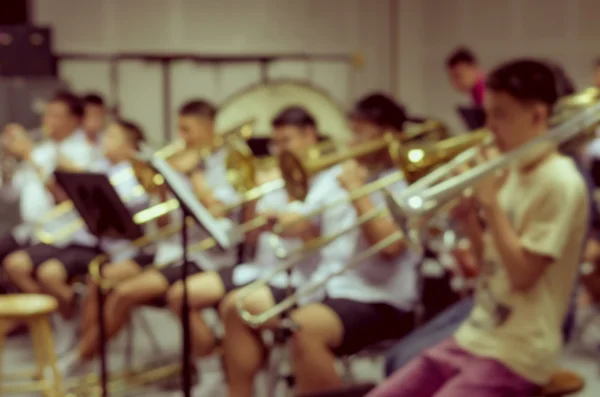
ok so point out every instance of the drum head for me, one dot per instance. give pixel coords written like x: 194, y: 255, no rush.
x: 262, y: 103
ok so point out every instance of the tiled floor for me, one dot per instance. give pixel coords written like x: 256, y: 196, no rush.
x: 18, y: 354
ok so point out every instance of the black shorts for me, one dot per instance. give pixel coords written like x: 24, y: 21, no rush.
x: 366, y: 324
x: 226, y: 275
x: 8, y: 245
x: 143, y: 259
x: 75, y: 258
x: 279, y: 294
x: 172, y: 273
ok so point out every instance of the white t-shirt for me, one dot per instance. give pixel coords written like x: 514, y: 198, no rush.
x: 35, y: 200
x: 548, y: 209
x: 324, y: 189
x: 379, y: 280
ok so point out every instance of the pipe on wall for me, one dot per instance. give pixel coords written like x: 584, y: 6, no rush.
x: 166, y: 60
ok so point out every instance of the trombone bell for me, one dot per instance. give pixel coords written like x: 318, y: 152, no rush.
x: 418, y: 160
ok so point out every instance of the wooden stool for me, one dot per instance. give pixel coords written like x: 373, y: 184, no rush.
x: 563, y: 383
x: 35, y: 310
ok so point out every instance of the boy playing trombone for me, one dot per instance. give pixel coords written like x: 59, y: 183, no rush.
x: 360, y: 304
x: 535, y: 215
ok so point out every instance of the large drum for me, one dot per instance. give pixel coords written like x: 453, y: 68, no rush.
x: 262, y: 102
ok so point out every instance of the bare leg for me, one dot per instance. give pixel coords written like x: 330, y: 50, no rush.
x: 127, y: 296
x: 53, y: 279
x: 321, y: 330
x: 243, y: 349
x: 19, y: 269
x: 114, y: 272
x: 204, y: 290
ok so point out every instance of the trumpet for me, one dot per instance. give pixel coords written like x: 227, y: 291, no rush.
x: 413, y: 211
x: 297, y: 170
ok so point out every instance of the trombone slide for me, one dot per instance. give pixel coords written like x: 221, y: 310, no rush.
x: 355, y: 195
x: 315, y: 244
x: 412, y: 212
x: 256, y: 321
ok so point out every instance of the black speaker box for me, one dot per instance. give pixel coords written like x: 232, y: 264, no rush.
x: 26, y: 51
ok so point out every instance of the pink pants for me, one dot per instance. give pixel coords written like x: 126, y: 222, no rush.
x: 447, y: 370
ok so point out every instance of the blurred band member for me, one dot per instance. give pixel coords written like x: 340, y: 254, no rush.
x: 536, y: 214
x: 66, y: 150
x: 359, y: 305
x: 447, y: 322
x: 142, y: 283
x: 120, y: 143
x: 293, y: 129
x: 96, y: 116
x: 466, y: 75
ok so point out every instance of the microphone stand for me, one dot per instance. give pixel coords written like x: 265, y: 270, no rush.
x: 185, y: 315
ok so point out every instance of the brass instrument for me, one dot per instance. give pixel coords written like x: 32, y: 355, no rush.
x: 249, y: 195
x: 260, y: 102
x: 66, y: 211
x: 415, y: 160
x: 239, y: 158
x: 234, y: 138
x: 297, y: 170
x: 577, y: 114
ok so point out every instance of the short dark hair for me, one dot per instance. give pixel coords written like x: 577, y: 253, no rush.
x: 133, y: 132
x: 527, y: 80
x: 92, y: 98
x: 198, y: 108
x: 295, y: 116
x: 461, y: 55
x: 379, y: 109
x: 564, y: 83
x: 72, y: 101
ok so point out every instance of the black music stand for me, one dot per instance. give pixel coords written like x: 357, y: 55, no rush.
x: 105, y: 215
x: 190, y: 207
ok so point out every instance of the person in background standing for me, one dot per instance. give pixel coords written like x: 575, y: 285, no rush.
x: 466, y: 75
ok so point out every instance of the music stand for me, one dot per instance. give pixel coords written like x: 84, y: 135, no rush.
x: 190, y: 207
x: 105, y: 215
x: 473, y: 117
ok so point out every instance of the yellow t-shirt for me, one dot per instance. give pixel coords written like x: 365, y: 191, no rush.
x: 548, y: 208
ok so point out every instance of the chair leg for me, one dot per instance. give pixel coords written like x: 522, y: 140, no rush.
x: 47, y: 343
x: 39, y: 351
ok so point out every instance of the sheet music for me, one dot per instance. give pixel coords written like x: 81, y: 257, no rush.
x: 178, y: 185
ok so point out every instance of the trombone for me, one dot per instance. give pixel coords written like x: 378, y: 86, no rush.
x: 150, y: 181
x: 208, y: 243
x: 570, y: 122
x: 414, y: 160
x: 298, y: 170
